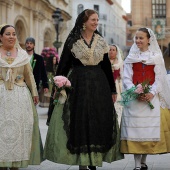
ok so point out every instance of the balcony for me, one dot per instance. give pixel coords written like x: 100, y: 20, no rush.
x: 110, y: 2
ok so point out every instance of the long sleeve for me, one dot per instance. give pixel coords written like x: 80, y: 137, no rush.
x: 65, y: 62
x: 127, y: 76
x: 154, y: 89
x: 106, y: 67
x: 29, y: 79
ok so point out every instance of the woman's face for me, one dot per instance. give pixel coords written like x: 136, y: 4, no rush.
x: 112, y: 52
x: 54, y: 60
x: 92, y: 22
x: 9, y: 37
x: 141, y: 40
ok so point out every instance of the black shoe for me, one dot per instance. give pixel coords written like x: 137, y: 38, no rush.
x: 137, y: 168
x: 144, y: 167
x: 92, y: 167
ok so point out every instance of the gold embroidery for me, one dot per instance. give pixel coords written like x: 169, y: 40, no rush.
x: 9, y: 59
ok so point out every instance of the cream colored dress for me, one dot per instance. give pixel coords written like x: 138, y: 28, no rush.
x: 17, y: 112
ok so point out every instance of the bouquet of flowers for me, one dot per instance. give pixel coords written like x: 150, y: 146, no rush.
x: 48, y: 54
x: 61, y: 83
x: 136, y: 92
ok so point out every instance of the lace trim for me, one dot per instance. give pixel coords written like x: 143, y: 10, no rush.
x: 82, y: 146
x: 140, y: 140
x: 92, y: 148
x: 93, y: 55
x: 85, y: 148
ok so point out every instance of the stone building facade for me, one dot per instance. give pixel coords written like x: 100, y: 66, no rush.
x: 34, y: 18
x: 153, y: 14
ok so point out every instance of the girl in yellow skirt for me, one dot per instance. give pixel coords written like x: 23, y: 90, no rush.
x: 145, y: 130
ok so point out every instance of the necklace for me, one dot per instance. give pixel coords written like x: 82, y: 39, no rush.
x: 8, y: 53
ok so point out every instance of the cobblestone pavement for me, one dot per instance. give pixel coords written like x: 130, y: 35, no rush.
x: 154, y: 162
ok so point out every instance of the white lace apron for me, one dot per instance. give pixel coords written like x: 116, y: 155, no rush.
x: 16, y: 115
x: 16, y: 124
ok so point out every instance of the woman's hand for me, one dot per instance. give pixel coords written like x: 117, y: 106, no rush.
x: 114, y: 97
x: 149, y: 96
x: 146, y: 97
x: 36, y: 100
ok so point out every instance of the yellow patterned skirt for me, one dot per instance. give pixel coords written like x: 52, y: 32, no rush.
x: 151, y: 147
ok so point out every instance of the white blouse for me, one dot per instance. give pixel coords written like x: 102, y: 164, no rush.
x: 128, y: 73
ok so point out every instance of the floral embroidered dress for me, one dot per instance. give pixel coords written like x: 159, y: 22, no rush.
x: 84, y: 131
x: 20, y: 142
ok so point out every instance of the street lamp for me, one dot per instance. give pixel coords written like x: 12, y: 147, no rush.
x: 57, y: 20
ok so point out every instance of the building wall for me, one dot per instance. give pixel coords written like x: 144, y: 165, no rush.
x: 34, y: 18
x: 141, y: 12
x: 118, y: 29
x: 141, y: 16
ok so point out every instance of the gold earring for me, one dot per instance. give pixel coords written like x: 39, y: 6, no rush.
x: 84, y: 27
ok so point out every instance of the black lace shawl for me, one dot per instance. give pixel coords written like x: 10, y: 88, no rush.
x: 73, y: 36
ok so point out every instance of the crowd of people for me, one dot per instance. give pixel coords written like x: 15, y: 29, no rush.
x: 115, y: 106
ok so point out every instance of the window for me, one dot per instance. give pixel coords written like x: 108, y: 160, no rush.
x: 111, y: 41
x: 96, y: 8
x: 100, y: 28
x: 104, y: 30
x: 159, y: 8
x: 129, y: 23
x: 80, y: 9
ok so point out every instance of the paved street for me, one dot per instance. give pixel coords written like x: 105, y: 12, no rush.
x: 155, y: 162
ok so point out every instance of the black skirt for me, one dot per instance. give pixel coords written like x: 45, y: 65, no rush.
x: 89, y: 115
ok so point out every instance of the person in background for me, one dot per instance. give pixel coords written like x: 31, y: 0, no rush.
x: 37, y: 64
x: 20, y: 140
x: 84, y: 130
x: 117, y: 70
x: 145, y: 129
x: 51, y: 59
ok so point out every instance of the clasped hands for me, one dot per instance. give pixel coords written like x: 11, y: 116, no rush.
x: 146, y: 97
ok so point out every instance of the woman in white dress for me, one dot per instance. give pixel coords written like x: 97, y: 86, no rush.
x: 20, y: 142
x: 145, y: 130
x: 117, y: 70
